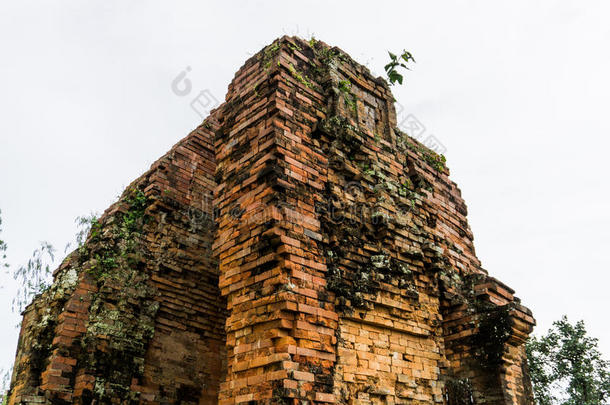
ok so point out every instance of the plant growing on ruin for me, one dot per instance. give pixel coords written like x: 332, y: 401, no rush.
x: 345, y: 87
x: 34, y: 277
x: 86, y: 224
x: 437, y: 161
x: 301, y: 77
x: 125, y: 233
x: 269, y: 53
x: 494, y: 330
x: 566, y: 366
x: 458, y: 392
x: 396, y: 62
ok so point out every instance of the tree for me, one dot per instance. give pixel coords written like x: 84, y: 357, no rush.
x: 567, y: 368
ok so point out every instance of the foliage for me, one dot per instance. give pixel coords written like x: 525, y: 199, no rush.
x: 567, y: 368
x: 127, y: 228
x: 269, y: 53
x: 2, y: 247
x: 438, y: 162
x: 494, y: 331
x: 137, y: 202
x: 326, y: 55
x: 312, y: 41
x: 396, y: 62
x: 5, y: 377
x: 86, y: 224
x: 345, y: 87
x: 34, y: 277
x: 458, y: 392
x: 301, y: 77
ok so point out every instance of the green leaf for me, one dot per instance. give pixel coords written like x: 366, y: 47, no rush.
x: 390, y: 68
x: 567, y: 362
x: 406, y: 56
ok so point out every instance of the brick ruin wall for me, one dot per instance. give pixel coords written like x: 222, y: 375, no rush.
x: 135, y: 313
x: 295, y: 248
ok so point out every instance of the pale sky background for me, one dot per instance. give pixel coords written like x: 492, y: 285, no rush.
x: 518, y: 92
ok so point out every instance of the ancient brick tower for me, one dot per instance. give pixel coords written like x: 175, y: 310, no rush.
x: 295, y: 248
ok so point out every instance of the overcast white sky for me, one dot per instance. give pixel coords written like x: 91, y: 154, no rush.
x: 518, y: 92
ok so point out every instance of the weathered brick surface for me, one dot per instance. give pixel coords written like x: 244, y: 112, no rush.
x: 295, y: 248
x: 135, y: 313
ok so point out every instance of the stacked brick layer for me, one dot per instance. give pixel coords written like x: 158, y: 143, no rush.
x: 135, y: 313
x: 333, y: 265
